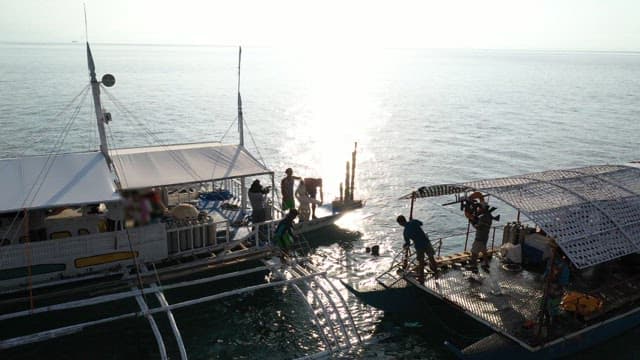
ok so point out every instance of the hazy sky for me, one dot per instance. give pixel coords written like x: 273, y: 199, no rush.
x: 494, y: 24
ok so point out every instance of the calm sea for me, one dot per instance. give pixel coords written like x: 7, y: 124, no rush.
x: 420, y: 117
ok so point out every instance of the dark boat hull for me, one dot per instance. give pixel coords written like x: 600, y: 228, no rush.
x: 497, y: 346
x: 400, y: 300
x: 405, y: 300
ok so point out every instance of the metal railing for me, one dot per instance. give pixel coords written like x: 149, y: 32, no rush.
x: 404, y: 259
x: 234, y: 186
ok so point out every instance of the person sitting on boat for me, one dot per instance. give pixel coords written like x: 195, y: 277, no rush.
x: 284, y: 231
x: 482, y: 223
x: 258, y: 199
x: 158, y: 209
x: 286, y: 189
x: 413, y: 231
x: 305, y: 201
x: 312, y: 185
x: 556, y: 276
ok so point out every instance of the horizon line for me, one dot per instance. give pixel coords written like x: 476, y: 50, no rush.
x: 78, y: 42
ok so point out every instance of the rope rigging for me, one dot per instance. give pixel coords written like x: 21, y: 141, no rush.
x: 158, y: 142
x: 39, y: 182
x: 55, y: 150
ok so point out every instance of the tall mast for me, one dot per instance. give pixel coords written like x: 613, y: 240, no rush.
x: 243, y: 197
x: 95, y: 90
x: 240, y: 118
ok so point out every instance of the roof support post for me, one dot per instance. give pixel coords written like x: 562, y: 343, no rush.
x: 243, y: 194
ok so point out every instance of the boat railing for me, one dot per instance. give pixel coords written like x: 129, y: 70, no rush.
x: 180, y: 194
x: 437, y: 244
x: 261, y: 234
x: 403, y: 259
x: 195, y: 236
x: 234, y: 186
x: 278, y: 213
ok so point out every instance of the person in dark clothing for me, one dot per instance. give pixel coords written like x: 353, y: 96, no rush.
x: 312, y: 185
x: 258, y: 199
x: 413, y: 231
x: 482, y: 224
x: 284, y: 231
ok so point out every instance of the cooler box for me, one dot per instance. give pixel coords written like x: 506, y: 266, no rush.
x: 536, y: 249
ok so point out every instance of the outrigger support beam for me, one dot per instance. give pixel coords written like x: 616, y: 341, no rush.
x: 67, y: 330
x: 172, y: 322
x: 154, y: 327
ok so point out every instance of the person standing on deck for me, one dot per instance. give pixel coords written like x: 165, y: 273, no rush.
x: 305, y: 201
x: 413, y: 231
x: 286, y: 189
x: 312, y: 185
x: 483, y: 227
x: 258, y: 199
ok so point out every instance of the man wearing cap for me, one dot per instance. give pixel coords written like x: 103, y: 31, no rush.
x: 413, y: 231
x: 286, y: 189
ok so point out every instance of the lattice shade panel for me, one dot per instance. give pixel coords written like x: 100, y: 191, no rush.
x: 592, y: 212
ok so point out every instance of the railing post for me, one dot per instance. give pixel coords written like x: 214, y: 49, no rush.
x: 467, y: 238
x: 493, y: 238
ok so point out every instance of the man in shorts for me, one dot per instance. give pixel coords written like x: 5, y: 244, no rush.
x: 413, y: 231
x: 286, y: 189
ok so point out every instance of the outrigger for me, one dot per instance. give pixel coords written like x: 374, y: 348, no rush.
x: 126, y: 226
x: 563, y: 275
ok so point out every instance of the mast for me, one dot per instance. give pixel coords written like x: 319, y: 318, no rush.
x: 243, y: 198
x: 95, y: 91
x: 240, y: 117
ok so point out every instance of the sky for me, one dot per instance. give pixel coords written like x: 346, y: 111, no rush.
x: 597, y: 25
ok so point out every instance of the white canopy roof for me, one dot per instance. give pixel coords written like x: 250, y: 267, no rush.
x: 146, y: 167
x: 56, y: 180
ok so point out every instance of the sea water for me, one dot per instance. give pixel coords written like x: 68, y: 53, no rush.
x: 419, y: 117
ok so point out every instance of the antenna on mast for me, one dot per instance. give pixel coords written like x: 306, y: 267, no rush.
x: 108, y: 80
x: 86, y: 28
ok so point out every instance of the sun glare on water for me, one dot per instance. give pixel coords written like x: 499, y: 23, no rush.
x: 338, y: 111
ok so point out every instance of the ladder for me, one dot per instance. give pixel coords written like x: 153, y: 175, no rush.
x: 330, y: 312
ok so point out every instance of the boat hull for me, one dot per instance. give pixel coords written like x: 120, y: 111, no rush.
x: 406, y: 299
x: 397, y: 300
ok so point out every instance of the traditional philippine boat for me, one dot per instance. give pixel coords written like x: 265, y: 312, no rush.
x: 86, y: 230
x: 581, y: 222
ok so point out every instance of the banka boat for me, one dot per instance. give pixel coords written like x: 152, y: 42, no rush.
x: 564, y: 274
x: 95, y: 237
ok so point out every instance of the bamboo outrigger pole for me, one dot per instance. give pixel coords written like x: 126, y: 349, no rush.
x: 346, y: 185
x: 353, y: 170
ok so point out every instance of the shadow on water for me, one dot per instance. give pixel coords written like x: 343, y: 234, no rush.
x: 330, y: 235
x: 421, y: 332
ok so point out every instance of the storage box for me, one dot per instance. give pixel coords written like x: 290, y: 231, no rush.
x: 536, y: 249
